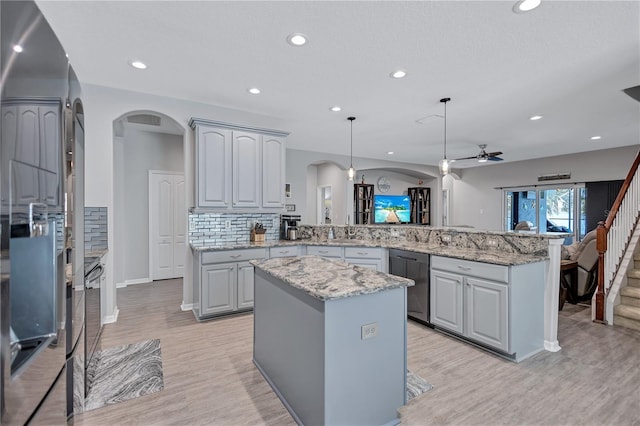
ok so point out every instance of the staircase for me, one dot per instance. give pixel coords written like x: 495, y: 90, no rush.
x: 627, y: 313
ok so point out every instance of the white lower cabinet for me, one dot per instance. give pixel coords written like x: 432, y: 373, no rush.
x: 367, y: 257
x: 223, y: 282
x: 499, y: 307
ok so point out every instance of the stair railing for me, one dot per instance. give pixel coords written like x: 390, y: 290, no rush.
x: 614, y: 234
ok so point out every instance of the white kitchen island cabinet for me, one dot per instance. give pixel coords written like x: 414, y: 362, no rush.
x: 330, y: 338
x: 498, y: 307
x: 238, y: 167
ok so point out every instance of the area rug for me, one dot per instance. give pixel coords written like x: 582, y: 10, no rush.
x: 416, y: 385
x: 125, y: 372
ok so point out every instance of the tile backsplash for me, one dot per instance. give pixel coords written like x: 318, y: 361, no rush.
x: 231, y: 227
x: 95, y: 228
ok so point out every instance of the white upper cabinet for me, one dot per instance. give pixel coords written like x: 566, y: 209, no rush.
x: 246, y: 169
x: 213, y: 171
x: 273, y: 167
x: 238, y: 167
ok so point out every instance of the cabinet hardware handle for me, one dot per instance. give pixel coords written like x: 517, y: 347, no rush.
x: 234, y: 256
x: 363, y: 252
x: 464, y: 268
x: 323, y: 251
x: 468, y: 285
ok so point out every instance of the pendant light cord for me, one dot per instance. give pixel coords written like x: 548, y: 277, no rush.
x: 351, y: 155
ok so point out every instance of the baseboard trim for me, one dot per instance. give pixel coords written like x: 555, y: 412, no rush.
x: 109, y: 319
x: 133, y: 282
x: 186, y: 306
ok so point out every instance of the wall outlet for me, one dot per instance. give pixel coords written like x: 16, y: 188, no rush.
x: 227, y: 224
x: 491, y: 242
x: 446, y: 238
x: 395, y: 233
x: 369, y: 331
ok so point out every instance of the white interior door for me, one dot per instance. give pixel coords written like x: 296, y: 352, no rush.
x: 167, y: 223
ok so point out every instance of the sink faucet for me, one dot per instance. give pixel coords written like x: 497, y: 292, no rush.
x: 350, y: 232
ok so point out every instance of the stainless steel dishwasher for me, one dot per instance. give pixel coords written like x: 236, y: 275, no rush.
x: 416, y: 267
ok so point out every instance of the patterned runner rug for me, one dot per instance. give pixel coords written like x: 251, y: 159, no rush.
x: 125, y: 372
x: 416, y: 385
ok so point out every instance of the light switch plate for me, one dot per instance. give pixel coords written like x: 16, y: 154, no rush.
x: 369, y: 331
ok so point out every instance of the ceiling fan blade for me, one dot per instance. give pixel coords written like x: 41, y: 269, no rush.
x: 493, y: 158
x: 494, y: 154
x: 475, y: 157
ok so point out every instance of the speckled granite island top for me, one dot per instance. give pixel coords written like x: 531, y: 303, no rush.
x: 327, y: 279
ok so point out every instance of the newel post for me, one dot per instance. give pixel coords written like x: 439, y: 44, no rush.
x: 601, y: 246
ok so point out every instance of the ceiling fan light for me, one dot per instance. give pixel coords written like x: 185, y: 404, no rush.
x: 482, y: 160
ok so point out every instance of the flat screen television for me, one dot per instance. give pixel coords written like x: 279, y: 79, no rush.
x: 391, y: 209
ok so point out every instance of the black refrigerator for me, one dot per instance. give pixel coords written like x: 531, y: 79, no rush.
x: 41, y: 293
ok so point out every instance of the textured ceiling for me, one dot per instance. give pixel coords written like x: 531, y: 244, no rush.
x: 567, y: 61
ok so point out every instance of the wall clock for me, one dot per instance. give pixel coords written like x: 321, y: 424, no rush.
x: 384, y: 184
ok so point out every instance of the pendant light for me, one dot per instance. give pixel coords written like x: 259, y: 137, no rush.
x: 445, y: 164
x: 352, y: 172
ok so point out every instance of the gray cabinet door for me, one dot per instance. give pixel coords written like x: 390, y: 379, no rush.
x: 218, y: 289
x: 246, y: 169
x: 213, y: 154
x: 487, y: 312
x: 27, y: 149
x: 366, y: 263
x: 273, y: 171
x: 446, y: 301
x: 49, y: 137
x: 245, y: 285
x: 9, y: 137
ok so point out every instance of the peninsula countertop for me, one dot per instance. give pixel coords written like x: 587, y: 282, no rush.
x: 327, y: 279
x: 479, y: 255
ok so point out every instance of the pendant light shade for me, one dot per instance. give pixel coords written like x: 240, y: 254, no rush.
x: 445, y: 164
x: 352, y: 171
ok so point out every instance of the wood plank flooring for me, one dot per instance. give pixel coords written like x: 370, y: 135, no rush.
x: 209, y: 377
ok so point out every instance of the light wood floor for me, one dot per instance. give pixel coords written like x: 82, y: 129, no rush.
x: 209, y: 377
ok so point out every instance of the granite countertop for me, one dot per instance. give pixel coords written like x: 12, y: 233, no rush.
x: 327, y: 279
x: 487, y: 256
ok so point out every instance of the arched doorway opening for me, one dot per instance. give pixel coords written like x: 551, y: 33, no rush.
x: 148, y: 169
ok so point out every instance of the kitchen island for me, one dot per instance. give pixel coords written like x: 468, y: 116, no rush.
x: 331, y: 339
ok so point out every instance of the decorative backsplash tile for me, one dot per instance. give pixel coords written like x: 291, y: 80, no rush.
x: 231, y: 227
x: 95, y: 228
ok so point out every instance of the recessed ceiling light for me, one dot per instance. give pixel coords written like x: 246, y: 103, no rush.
x: 595, y: 138
x: 254, y: 90
x: 138, y: 64
x: 526, y: 5
x: 17, y: 48
x: 336, y: 108
x: 297, y: 39
x: 390, y: 153
x: 398, y: 74
x: 535, y: 117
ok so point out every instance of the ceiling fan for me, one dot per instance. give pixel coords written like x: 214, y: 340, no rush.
x: 483, y: 156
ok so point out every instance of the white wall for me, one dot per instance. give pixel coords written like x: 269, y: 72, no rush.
x: 331, y: 175
x: 475, y: 201
x: 102, y: 106
x: 143, y: 151
x: 302, y: 171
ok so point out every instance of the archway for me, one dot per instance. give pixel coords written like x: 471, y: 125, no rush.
x: 143, y: 141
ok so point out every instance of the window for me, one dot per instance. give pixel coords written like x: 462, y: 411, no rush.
x: 547, y: 209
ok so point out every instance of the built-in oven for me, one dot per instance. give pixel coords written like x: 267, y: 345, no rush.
x: 415, y: 266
